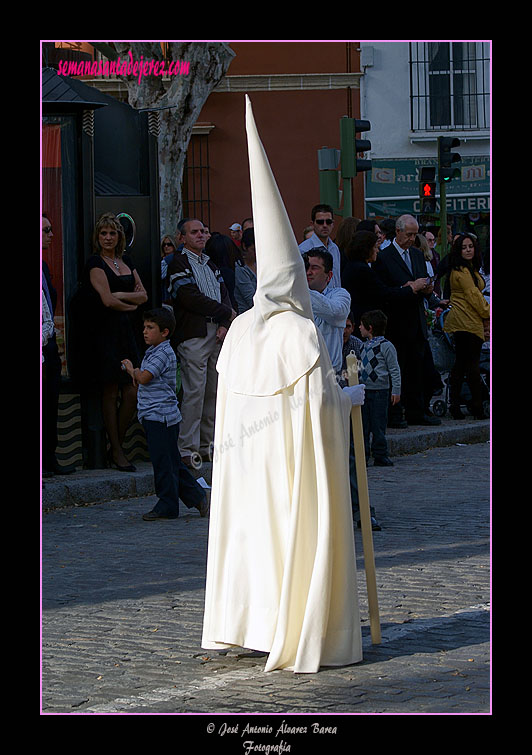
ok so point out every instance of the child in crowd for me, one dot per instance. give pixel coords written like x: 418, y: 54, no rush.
x: 158, y: 411
x: 379, y: 369
x: 350, y: 343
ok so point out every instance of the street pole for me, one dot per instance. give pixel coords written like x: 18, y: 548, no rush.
x: 446, y: 172
x: 347, y: 186
x: 443, y: 219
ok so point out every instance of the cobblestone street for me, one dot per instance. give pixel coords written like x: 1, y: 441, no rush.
x: 122, y: 608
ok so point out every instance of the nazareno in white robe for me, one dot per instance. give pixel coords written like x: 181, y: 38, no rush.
x: 281, y: 571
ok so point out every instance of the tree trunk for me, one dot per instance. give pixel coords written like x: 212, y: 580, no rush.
x: 179, y: 101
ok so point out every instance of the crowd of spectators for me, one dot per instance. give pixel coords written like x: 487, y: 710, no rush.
x: 392, y: 267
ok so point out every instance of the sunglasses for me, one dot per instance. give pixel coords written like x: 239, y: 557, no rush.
x: 168, y: 243
x: 321, y: 221
x: 48, y: 229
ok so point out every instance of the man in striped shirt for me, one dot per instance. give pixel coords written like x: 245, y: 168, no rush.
x: 203, y: 313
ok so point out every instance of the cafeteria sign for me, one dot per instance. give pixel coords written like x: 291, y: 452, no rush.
x: 392, y: 186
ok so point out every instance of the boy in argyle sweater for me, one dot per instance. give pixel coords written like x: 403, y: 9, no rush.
x: 379, y: 371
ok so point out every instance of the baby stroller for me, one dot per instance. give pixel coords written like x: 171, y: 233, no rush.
x: 443, y: 354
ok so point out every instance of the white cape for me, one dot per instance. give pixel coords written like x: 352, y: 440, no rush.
x: 281, y: 571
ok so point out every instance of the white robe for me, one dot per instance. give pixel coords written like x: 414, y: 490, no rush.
x: 281, y: 571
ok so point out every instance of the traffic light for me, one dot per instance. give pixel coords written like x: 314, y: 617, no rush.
x: 427, y: 191
x: 446, y: 158
x: 351, y: 146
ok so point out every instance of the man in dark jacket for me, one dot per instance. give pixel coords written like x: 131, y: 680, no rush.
x: 51, y: 382
x: 203, y: 313
x: 407, y: 325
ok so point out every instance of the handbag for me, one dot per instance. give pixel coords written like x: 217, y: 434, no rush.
x: 441, y: 345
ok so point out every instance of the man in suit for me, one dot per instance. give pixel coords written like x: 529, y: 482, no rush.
x: 407, y: 326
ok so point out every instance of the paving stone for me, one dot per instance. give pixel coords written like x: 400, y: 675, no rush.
x: 122, y: 604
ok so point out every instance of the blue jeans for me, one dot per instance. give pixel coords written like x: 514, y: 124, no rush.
x: 172, y: 479
x: 374, y: 420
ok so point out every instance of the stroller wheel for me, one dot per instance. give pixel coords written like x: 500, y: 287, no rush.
x: 439, y: 408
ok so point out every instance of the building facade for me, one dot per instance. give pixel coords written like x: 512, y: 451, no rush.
x: 412, y: 92
x: 299, y: 91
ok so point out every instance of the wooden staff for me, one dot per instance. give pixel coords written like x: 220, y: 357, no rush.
x: 363, y: 498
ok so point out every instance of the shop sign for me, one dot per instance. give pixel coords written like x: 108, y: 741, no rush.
x: 393, y: 186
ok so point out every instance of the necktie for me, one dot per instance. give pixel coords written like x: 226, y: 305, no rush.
x: 406, y: 258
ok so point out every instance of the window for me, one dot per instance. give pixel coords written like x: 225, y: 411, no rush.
x: 449, y: 83
x: 196, y: 191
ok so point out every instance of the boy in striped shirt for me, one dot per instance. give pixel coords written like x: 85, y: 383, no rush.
x: 158, y: 411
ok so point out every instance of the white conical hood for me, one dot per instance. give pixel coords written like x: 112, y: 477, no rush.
x: 281, y: 279
x: 275, y: 342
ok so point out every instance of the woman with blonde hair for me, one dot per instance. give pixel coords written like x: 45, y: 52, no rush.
x: 113, y: 291
x: 422, y: 243
x: 168, y: 245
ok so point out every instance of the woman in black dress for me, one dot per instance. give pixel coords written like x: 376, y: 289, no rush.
x: 114, y: 291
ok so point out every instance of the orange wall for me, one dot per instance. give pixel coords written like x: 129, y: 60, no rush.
x: 293, y: 126
x: 293, y: 57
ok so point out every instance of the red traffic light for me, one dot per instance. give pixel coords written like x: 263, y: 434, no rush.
x: 427, y: 190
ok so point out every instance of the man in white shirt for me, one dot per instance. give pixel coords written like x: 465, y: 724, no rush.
x: 322, y: 217
x: 330, y: 307
x: 330, y: 304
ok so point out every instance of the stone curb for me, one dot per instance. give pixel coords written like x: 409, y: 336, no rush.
x: 89, y: 487
x: 410, y: 442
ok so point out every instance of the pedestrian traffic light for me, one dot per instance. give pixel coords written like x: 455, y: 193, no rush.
x: 350, y: 146
x: 427, y: 190
x: 446, y: 158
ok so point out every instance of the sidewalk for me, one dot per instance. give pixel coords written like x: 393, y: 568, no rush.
x: 85, y: 487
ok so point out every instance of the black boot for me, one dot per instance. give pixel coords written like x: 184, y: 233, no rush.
x: 455, y: 388
x: 477, y: 405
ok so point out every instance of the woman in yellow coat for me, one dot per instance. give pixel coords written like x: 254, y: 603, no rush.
x: 468, y: 321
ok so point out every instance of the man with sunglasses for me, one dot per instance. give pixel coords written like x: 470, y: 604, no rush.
x: 322, y: 217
